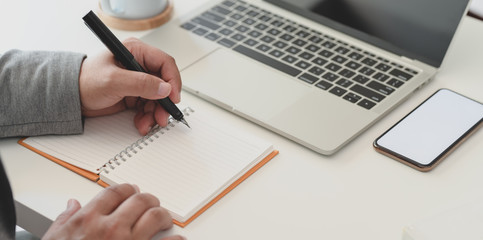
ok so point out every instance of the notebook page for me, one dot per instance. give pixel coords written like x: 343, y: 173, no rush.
x: 103, y: 138
x: 185, y: 168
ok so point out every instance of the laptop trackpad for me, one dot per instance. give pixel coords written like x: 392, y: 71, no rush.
x: 235, y: 81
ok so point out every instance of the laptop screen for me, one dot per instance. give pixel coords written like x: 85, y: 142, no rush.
x: 417, y: 29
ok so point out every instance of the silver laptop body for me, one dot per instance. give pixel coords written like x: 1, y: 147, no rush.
x: 317, y: 101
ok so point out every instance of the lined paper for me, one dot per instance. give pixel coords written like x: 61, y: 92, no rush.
x: 185, y: 168
x: 102, y: 139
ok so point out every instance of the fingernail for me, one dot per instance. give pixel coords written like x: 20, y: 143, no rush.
x: 70, y: 204
x: 137, y: 188
x: 164, y: 89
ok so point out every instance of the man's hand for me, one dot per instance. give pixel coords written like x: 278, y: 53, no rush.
x: 118, y: 212
x: 106, y: 87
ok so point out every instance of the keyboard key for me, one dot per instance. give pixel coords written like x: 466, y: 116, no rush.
x: 324, y: 85
x: 267, y: 39
x: 238, y: 37
x: 274, y: 31
x: 366, y: 71
x: 342, y: 50
x: 188, y: 26
x: 330, y: 76
x: 386, y: 90
x: 326, y: 53
x: 287, y: 37
x: 346, y: 73
x: 251, y: 42
x: 255, y: 34
x: 383, y: 67
x: 213, y: 17
x: 328, y: 44
x: 242, y: 28
x: 263, y: 47
x: 237, y: 16
x: 276, y: 53
x: 267, y: 60
x: 299, y: 42
x: 395, y: 83
x: 205, y: 23
x: 369, y: 61
x: 221, y: 10
x: 200, y: 31
x: 361, y: 79
x: 226, y: 42
x: 315, y: 39
x: 226, y: 31
x: 351, y: 97
x: 293, y: 50
x: 367, y: 93
x: 229, y: 23
x: 308, y: 78
x: 366, y: 104
x: 333, y: 67
x: 249, y: 21
x: 228, y: 3
x: 289, y: 28
x: 312, y: 48
x: 400, y: 74
x: 302, y: 34
x: 264, y: 18
x: 339, y: 59
x: 316, y: 70
x: 355, y: 56
x: 319, y: 61
x: 303, y: 64
x: 280, y: 44
x: 353, y: 65
x: 290, y: 59
x: 261, y: 26
x: 411, y: 71
x: 380, y: 77
x: 212, y: 36
x: 344, y: 82
x: 338, y: 91
x: 240, y: 8
x: 306, y: 55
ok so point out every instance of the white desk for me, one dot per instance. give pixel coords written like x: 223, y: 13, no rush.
x: 354, y: 194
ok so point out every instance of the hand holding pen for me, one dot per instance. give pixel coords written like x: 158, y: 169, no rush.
x: 163, y: 80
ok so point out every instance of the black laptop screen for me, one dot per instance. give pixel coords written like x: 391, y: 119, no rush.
x: 417, y: 29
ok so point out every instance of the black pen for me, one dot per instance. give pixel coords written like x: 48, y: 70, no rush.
x: 126, y: 58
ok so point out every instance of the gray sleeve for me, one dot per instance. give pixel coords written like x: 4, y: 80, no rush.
x: 39, y: 93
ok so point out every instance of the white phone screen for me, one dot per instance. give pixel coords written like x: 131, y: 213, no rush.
x: 433, y: 127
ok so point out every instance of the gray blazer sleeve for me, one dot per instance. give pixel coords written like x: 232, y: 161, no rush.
x: 39, y: 93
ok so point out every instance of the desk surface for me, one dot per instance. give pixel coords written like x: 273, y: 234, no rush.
x: 354, y: 194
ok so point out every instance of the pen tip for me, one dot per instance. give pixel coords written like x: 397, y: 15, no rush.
x: 185, y: 122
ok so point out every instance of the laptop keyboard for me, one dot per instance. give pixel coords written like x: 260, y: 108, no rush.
x: 318, y: 59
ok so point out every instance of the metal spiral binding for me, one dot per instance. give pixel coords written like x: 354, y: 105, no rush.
x: 128, y: 152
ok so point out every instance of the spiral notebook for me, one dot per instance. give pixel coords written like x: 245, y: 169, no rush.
x: 187, y: 169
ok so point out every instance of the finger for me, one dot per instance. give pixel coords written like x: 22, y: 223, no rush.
x: 151, y: 222
x: 157, y: 62
x: 144, y: 122
x: 134, y: 207
x: 110, y: 198
x: 72, y: 207
x: 131, y: 83
x: 161, y: 116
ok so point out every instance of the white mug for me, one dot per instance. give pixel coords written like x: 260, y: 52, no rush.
x: 133, y: 9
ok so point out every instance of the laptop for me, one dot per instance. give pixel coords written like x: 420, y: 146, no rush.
x: 318, y: 72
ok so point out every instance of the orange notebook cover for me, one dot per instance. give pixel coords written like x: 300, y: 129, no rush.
x: 189, y: 170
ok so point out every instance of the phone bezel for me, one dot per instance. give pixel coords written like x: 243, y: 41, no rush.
x: 415, y: 164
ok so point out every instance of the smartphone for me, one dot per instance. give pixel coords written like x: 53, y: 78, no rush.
x: 432, y: 130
